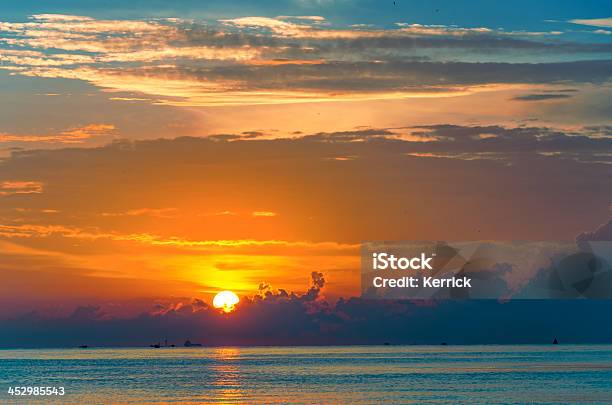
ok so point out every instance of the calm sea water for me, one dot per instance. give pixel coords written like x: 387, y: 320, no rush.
x: 357, y: 374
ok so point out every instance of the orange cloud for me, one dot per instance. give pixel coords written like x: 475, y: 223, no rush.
x: 264, y: 214
x: 74, y: 135
x: 219, y: 213
x: 152, y: 212
x: 107, y: 40
x: 254, y: 60
x: 22, y: 57
x: 42, y: 231
x: 20, y: 187
x: 200, y: 266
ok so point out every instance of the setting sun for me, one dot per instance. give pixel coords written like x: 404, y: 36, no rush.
x: 225, y: 300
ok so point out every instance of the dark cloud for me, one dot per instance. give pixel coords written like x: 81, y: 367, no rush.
x: 493, y: 45
x: 381, y: 76
x: 390, y: 43
x: 278, y: 317
x: 505, y: 142
x: 562, y: 91
x: 541, y: 97
x: 603, y: 233
x: 252, y: 134
x: 347, y: 136
x: 599, y: 130
x: 281, y: 318
x: 450, y: 140
x: 451, y: 175
x: 224, y: 137
x: 263, y: 54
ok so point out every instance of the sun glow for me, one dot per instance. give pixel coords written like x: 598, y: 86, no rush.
x: 225, y: 300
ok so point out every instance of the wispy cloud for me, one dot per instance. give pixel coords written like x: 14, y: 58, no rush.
x: 594, y: 22
x: 151, y: 212
x: 542, y: 97
x: 263, y: 60
x: 42, y: 231
x: 20, y: 187
x: 264, y: 214
x: 69, y: 136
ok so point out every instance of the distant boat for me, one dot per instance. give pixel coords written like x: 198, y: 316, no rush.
x: 555, y: 342
x: 83, y: 347
x: 443, y: 343
x: 156, y: 345
x: 188, y: 343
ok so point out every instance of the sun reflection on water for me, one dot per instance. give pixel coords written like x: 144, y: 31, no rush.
x: 226, y: 375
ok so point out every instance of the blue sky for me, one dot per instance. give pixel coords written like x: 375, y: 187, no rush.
x: 520, y: 14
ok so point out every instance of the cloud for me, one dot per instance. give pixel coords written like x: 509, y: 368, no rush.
x: 43, y: 231
x: 326, y: 206
x: 264, y: 214
x: 602, y: 233
x: 275, y: 25
x: 20, y: 187
x: 84, y: 40
x: 314, y: 18
x: 152, y: 212
x: 278, y: 317
x: 541, y: 97
x: 309, y: 28
x: 219, y: 213
x: 61, y: 17
x: 261, y: 60
x: 69, y: 136
x: 145, y: 180
x: 497, y: 142
x: 594, y: 22
x: 420, y: 29
x: 326, y: 82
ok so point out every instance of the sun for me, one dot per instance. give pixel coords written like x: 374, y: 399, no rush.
x: 225, y: 300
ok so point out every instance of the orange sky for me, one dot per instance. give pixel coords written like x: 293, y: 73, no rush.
x: 150, y: 159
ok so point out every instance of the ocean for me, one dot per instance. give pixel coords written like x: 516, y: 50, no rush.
x: 568, y: 374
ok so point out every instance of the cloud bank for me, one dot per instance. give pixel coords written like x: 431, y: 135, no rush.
x: 282, y: 318
x: 263, y: 60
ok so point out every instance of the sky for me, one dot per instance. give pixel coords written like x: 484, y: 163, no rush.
x: 154, y: 153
